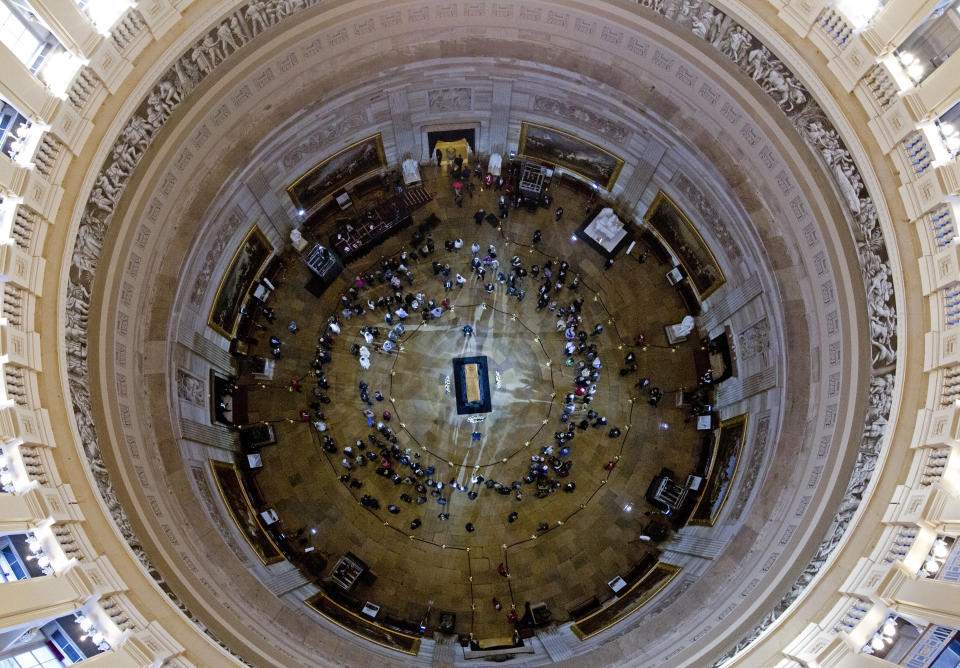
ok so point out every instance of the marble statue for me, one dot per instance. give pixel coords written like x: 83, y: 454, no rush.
x: 680, y: 331
x: 296, y: 238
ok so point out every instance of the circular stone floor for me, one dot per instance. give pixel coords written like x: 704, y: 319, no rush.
x: 521, y: 376
x: 592, y: 532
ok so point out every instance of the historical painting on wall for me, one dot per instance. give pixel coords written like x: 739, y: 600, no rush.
x: 679, y: 234
x: 360, y: 626
x: 241, y: 510
x: 335, y: 172
x: 570, y: 153
x: 723, y: 469
x: 237, y: 280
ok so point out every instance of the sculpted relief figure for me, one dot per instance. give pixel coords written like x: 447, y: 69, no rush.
x: 758, y: 63
x: 256, y: 16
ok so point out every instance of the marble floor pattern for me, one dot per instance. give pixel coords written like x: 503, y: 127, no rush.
x: 592, y: 537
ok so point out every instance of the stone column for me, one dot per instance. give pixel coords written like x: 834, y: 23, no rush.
x: 935, y: 601
x: 37, y: 600
x: 886, y: 31
x: 71, y: 26
x: 24, y: 90
x: 894, y: 23
x: 938, y: 92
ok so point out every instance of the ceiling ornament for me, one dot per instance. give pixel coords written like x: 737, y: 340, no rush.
x: 702, y: 19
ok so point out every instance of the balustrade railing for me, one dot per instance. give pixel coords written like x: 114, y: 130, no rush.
x: 917, y: 151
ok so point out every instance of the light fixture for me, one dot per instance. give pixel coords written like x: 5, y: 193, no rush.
x: 940, y: 549
x: 573, y: 237
x: 877, y: 643
x: 858, y: 12
x: 300, y: 212
x: 628, y: 508
x: 58, y: 72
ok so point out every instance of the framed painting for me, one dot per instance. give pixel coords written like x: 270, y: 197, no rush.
x: 337, y: 171
x: 363, y: 627
x: 243, y: 269
x: 241, y: 510
x: 670, y: 223
x: 573, y: 154
x: 723, y: 469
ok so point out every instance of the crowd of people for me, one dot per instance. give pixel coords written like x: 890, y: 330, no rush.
x: 397, y: 294
x: 415, y: 287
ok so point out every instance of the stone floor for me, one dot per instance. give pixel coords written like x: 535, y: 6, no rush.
x: 592, y: 537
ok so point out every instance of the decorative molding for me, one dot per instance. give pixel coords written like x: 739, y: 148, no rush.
x: 186, y: 73
x: 583, y: 116
x: 450, y: 99
x: 773, y: 76
x: 190, y: 388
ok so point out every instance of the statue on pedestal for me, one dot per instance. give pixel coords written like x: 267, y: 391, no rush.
x: 680, y: 331
x: 296, y: 238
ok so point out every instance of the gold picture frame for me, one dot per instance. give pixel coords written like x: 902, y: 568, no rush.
x: 337, y: 171
x: 245, y: 265
x: 720, y: 475
x: 582, y: 157
x: 235, y: 498
x: 628, y: 601
x: 671, y: 225
x: 360, y: 626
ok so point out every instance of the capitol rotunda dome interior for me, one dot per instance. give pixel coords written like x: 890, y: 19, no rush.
x: 448, y: 333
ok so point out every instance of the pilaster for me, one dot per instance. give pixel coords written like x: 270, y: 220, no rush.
x: 801, y: 14
x: 500, y: 115
x: 893, y: 124
x: 402, y: 127
x: 160, y: 15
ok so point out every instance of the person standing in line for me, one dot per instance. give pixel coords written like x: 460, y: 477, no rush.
x: 439, y: 154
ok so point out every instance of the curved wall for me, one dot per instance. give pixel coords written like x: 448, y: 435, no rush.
x: 649, y: 74
x: 257, y: 87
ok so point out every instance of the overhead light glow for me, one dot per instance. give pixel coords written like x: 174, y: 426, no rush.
x: 104, y: 13
x: 858, y: 12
